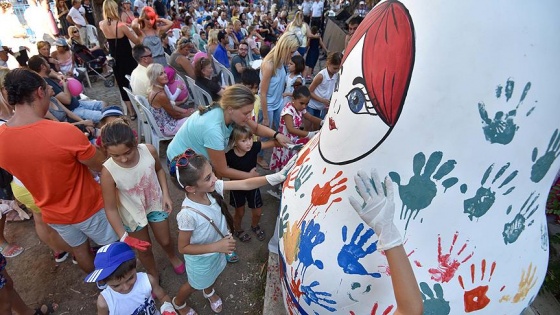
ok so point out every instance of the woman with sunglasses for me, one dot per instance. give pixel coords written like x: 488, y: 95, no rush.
x: 119, y: 36
x: 207, y: 130
x: 178, y: 59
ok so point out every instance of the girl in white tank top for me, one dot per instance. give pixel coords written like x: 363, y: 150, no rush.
x: 135, y: 193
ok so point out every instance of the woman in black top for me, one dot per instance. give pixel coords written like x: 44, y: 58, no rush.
x: 203, y: 71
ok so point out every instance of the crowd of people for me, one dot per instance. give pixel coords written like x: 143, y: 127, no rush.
x: 108, y: 187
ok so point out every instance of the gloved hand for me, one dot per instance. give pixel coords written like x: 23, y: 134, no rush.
x: 171, y: 96
x: 277, y: 178
x: 310, y: 134
x: 167, y: 309
x: 379, y: 209
x: 321, y: 123
x: 134, y: 242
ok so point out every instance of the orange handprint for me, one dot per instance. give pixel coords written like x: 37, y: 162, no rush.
x: 320, y: 195
x: 476, y: 299
x: 526, y: 283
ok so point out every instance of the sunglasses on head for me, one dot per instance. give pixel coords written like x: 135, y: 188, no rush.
x: 182, y: 161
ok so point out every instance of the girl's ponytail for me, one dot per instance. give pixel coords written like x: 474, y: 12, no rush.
x: 224, y: 208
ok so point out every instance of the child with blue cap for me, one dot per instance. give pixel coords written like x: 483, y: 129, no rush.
x: 126, y: 290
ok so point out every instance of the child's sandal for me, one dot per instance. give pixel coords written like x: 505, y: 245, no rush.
x: 216, y: 306
x: 259, y: 232
x: 180, y: 307
x: 242, y: 236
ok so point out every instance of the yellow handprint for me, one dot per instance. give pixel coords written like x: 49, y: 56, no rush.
x: 526, y: 283
x: 291, y: 242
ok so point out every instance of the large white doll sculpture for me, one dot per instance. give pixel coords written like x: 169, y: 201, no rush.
x: 457, y: 103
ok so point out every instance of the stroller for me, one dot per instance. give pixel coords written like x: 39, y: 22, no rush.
x: 93, y: 64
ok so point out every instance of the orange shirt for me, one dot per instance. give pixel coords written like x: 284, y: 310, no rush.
x: 45, y: 157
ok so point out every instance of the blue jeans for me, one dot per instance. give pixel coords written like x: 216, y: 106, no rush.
x: 90, y: 110
x: 273, y: 120
x: 317, y: 112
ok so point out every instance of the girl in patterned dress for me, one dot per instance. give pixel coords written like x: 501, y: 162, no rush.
x: 291, y: 125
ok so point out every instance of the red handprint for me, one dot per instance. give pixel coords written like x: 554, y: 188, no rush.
x: 448, y: 264
x: 385, y: 268
x: 476, y: 299
x: 320, y: 195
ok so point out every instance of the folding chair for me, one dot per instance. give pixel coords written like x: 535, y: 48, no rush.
x: 200, y: 96
x: 156, y: 135
x: 141, y: 119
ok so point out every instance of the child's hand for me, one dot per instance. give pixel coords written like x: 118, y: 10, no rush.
x: 167, y: 309
x: 277, y: 178
x: 167, y: 204
x: 226, y: 245
x: 254, y: 173
x: 310, y: 134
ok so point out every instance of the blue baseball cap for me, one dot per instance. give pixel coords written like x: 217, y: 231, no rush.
x: 108, y: 259
x: 113, y: 110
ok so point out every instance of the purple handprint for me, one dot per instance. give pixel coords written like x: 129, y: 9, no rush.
x: 352, y: 252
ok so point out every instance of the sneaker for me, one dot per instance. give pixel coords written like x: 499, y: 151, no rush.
x: 60, y: 256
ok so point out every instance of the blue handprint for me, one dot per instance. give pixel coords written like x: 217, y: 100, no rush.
x: 434, y: 305
x: 310, y: 237
x: 352, y: 252
x: 302, y: 176
x: 502, y: 128
x: 421, y: 188
x: 310, y: 296
x: 543, y: 164
x: 482, y: 201
x: 513, y: 229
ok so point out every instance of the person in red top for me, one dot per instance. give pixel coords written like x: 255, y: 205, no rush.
x: 52, y: 159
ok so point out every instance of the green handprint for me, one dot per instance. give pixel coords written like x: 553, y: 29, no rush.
x: 301, y: 176
x: 421, y: 189
x: 513, y: 229
x: 283, y: 222
x: 434, y: 305
x: 543, y: 164
x: 502, y: 128
x: 482, y: 201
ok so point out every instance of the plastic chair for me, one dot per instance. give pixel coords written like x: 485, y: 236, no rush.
x: 201, y: 97
x: 167, y: 58
x: 91, y: 32
x: 227, y: 76
x: 157, y: 135
x: 141, y: 119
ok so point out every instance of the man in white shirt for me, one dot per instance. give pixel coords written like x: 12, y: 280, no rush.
x: 222, y: 20
x: 139, y: 81
x: 139, y: 5
x: 317, y: 14
x: 362, y: 10
x: 306, y: 10
x: 76, y: 17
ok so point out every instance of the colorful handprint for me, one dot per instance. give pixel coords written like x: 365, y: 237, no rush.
x: 283, y: 221
x: 310, y: 237
x: 311, y: 296
x: 320, y: 195
x: 449, y: 263
x: 375, y: 307
x: 526, y: 283
x: 513, y: 229
x: 303, y: 174
x: 421, y: 188
x: 434, y: 305
x: 543, y: 164
x: 482, y: 201
x: 350, y: 254
x: 502, y: 128
x: 291, y: 242
x: 476, y: 299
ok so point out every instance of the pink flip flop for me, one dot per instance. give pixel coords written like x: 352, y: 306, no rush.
x: 179, y: 269
x: 10, y: 250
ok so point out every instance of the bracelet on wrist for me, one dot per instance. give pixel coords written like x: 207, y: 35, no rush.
x: 275, y: 134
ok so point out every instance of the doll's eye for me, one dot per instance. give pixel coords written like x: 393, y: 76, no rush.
x: 356, y: 100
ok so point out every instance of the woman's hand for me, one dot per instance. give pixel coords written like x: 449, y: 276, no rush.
x: 265, y: 122
x: 283, y: 140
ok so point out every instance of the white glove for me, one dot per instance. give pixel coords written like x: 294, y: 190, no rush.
x: 277, y: 178
x: 167, y: 309
x: 322, y: 122
x: 310, y: 134
x: 379, y: 209
x: 171, y: 97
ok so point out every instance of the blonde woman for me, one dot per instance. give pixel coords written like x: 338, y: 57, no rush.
x: 212, y: 42
x: 302, y: 31
x: 118, y: 35
x: 206, y: 129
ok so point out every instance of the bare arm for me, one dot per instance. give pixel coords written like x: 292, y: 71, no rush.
x: 316, y: 81
x: 218, y: 159
x: 245, y: 184
x: 407, y: 294
x: 314, y: 120
x: 167, y: 24
x: 162, y: 179
x: 133, y: 36
x: 266, y: 69
x: 289, y: 120
x: 102, y: 307
x: 175, y: 112
x: 187, y: 66
x: 269, y: 144
x: 158, y: 290
x: 323, y: 45
x: 264, y: 131
x: 109, y: 191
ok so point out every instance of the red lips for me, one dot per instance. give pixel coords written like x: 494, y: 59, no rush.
x: 332, y: 124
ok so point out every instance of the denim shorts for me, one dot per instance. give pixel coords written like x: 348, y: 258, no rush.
x: 96, y: 227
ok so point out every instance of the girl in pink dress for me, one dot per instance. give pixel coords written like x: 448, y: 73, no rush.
x: 291, y: 125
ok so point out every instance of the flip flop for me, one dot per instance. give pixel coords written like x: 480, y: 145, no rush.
x: 10, y: 250
x: 179, y: 270
x: 232, y: 257
x: 51, y: 308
